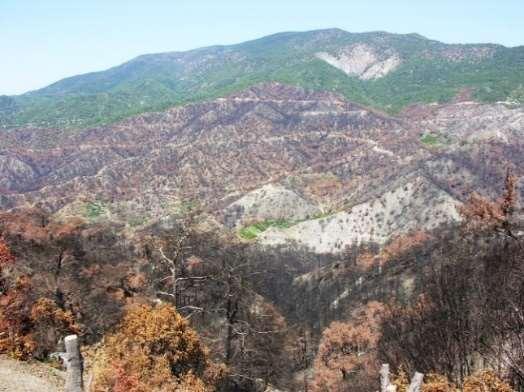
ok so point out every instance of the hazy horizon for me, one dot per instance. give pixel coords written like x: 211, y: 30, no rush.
x: 46, y: 43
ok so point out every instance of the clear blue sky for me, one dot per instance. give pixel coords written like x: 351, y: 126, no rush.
x: 43, y: 41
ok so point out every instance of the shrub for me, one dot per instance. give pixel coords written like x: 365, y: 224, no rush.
x: 404, y: 243
x: 6, y: 259
x: 346, y: 356
x: 49, y: 324
x: 437, y: 383
x: 252, y: 231
x: 154, y: 349
x: 432, y: 382
x: 30, y: 330
x: 486, y: 381
x: 401, y: 380
x: 15, y: 322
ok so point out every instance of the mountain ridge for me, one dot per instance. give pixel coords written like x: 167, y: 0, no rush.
x: 422, y: 71
x: 315, y: 150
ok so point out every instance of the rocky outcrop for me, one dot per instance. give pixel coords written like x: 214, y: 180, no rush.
x: 269, y: 202
x: 418, y: 204
x: 363, y: 61
x: 16, y: 174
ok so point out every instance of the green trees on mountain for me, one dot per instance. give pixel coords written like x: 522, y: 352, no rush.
x: 430, y: 71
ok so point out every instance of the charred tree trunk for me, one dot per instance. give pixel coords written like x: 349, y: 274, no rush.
x: 231, y: 313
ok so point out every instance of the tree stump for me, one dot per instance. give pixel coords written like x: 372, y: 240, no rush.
x: 74, y: 365
x: 416, y: 382
x: 384, y: 378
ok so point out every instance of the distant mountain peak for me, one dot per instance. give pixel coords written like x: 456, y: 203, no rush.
x: 378, y: 69
x: 417, y: 35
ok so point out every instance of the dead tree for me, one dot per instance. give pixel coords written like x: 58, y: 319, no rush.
x: 173, y: 256
x: 179, y: 249
x: 210, y: 279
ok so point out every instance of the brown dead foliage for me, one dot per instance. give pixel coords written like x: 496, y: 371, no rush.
x: 31, y: 330
x: 484, y: 381
x: 154, y: 349
x: 29, y: 326
x: 346, y: 355
x: 480, y: 213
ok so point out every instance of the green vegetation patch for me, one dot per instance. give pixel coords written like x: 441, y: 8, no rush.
x: 94, y: 209
x: 321, y: 215
x: 253, y: 231
x: 181, y: 207
x: 434, y: 139
x: 430, y: 139
x: 138, y: 220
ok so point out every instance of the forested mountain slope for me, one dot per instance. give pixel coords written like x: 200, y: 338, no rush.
x: 379, y: 69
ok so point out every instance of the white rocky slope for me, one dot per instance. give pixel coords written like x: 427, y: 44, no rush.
x: 418, y: 204
x: 475, y: 122
x: 269, y: 202
x: 362, y: 61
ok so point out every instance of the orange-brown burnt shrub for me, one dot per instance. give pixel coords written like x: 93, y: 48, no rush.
x: 365, y: 261
x: 437, y: 383
x: 28, y: 328
x: 480, y: 213
x: 31, y: 330
x: 346, y: 357
x: 15, y: 321
x: 123, y: 382
x: 6, y: 257
x: 486, y: 381
x: 154, y: 349
x: 49, y: 324
x: 403, y: 243
x: 432, y: 383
